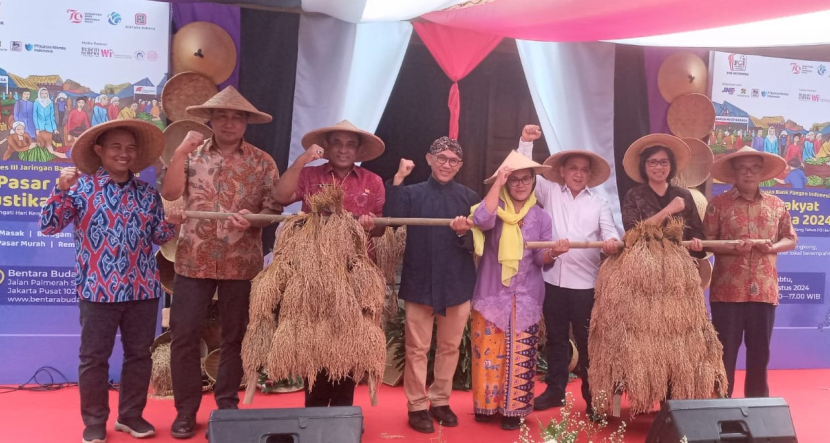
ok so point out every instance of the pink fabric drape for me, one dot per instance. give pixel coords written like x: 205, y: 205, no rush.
x: 457, y: 52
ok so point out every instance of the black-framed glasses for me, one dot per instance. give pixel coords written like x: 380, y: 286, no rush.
x: 443, y: 160
x: 514, y: 181
x: 743, y: 170
x: 653, y: 163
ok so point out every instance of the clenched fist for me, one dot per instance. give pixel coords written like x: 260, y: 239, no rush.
x: 191, y: 142
x: 69, y: 176
x: 531, y: 133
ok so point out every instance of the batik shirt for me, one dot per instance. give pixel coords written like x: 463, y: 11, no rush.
x: 115, y: 227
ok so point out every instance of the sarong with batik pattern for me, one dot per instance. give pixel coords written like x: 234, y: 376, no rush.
x: 504, y: 367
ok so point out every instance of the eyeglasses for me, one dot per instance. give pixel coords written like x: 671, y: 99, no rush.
x: 743, y: 170
x: 653, y: 163
x: 443, y: 159
x: 514, y: 181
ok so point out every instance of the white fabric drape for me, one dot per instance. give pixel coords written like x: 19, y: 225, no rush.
x: 362, y: 11
x: 572, y: 85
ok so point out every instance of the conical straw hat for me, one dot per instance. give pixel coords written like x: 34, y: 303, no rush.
x: 600, y: 169
x: 699, y: 166
x: 631, y: 160
x: 205, y: 48
x: 516, y: 162
x: 682, y: 73
x: 773, y: 165
x: 371, y: 146
x: 148, y: 137
x: 229, y: 98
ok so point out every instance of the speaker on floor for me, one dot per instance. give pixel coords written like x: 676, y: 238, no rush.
x: 734, y: 420
x: 341, y: 424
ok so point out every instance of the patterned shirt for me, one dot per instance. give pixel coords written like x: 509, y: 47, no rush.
x: 363, y: 189
x: 750, y: 277
x: 115, y: 228
x: 243, y: 180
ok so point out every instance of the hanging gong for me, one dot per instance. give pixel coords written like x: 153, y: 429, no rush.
x: 204, y: 48
x: 682, y: 73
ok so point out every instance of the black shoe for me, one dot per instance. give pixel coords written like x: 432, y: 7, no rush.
x: 593, y: 416
x: 511, y: 423
x: 547, y: 400
x: 444, y: 415
x: 136, y: 426
x: 95, y: 433
x: 184, y: 426
x: 421, y: 421
x: 484, y: 418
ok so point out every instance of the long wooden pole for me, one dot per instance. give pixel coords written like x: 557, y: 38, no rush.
x: 598, y: 244
x: 380, y: 221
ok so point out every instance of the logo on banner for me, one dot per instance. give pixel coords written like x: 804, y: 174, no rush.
x: 809, y: 97
x: 147, y: 90
x: 737, y: 62
x: 29, y: 46
x: 139, y: 55
x: 728, y: 90
x: 755, y: 93
x: 75, y: 16
x: 822, y: 69
x: 796, y: 68
x: 17, y: 46
x: 141, y: 19
x: 114, y: 18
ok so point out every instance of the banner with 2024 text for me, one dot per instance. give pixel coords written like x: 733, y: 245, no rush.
x: 64, y: 66
x: 782, y: 107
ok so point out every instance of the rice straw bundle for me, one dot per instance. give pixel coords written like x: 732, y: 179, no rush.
x: 650, y: 333
x: 389, y: 250
x: 161, y: 379
x: 328, y: 297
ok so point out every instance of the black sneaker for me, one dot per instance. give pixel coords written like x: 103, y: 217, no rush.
x: 184, y: 426
x: 444, y: 415
x: 95, y: 433
x: 421, y: 422
x: 547, y: 400
x: 136, y: 426
x: 511, y: 423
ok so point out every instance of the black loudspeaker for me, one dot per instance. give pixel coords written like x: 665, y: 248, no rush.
x: 739, y: 420
x: 342, y: 424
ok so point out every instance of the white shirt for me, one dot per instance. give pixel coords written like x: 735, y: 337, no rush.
x: 586, y: 217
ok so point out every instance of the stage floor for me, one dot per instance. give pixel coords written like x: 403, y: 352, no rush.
x: 53, y: 417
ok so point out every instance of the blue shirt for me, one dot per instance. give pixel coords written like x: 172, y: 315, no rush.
x: 797, y: 178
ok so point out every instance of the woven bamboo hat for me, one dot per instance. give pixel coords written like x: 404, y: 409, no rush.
x: 631, y: 160
x: 168, y: 250
x: 371, y: 146
x: 699, y: 166
x: 148, y: 137
x: 205, y: 48
x: 167, y: 273
x: 704, y: 269
x: 700, y: 202
x: 175, y: 133
x: 691, y: 115
x: 229, y: 98
x: 773, y: 165
x: 600, y: 169
x: 682, y: 73
x: 518, y: 161
x: 185, y: 90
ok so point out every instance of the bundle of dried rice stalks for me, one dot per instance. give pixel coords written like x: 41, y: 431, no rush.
x: 650, y: 333
x: 161, y: 379
x: 389, y: 250
x: 328, y: 297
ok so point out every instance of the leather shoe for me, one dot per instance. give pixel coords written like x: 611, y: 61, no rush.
x: 547, y: 400
x: 421, y: 421
x: 444, y: 415
x: 511, y: 423
x: 184, y: 426
x: 483, y: 418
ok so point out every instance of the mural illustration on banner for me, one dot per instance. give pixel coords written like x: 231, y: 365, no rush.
x: 96, y: 61
x: 782, y: 107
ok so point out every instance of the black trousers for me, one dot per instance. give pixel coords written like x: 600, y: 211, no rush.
x: 564, y: 307
x: 326, y: 393
x: 99, y: 323
x: 188, y: 319
x: 751, y: 323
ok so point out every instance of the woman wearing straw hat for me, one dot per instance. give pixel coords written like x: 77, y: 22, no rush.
x: 117, y: 218
x: 744, y: 291
x: 509, y: 291
x: 653, y: 161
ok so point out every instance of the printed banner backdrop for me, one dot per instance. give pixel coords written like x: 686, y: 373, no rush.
x: 782, y: 106
x: 95, y: 61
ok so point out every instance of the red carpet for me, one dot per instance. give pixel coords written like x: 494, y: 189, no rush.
x: 53, y: 417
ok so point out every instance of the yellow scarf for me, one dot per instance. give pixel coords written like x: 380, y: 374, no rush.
x: 511, y: 243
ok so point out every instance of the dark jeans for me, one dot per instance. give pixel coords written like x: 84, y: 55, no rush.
x: 99, y: 323
x: 751, y: 323
x: 188, y: 319
x: 564, y: 307
x: 326, y: 393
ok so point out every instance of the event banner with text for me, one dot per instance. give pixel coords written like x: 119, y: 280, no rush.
x: 782, y: 107
x: 65, y: 66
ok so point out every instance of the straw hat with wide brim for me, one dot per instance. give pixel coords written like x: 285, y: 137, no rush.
x: 371, y: 146
x: 691, y: 115
x: 205, y: 48
x: 631, y: 160
x: 773, y: 165
x: 600, y: 169
x: 167, y: 272
x: 185, y: 90
x: 175, y: 133
x: 700, y: 164
x: 229, y: 98
x: 700, y: 202
x: 516, y: 162
x: 682, y: 73
x: 148, y: 137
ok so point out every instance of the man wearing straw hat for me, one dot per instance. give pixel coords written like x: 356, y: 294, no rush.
x: 437, y: 280
x: 222, y: 174
x: 117, y: 218
x: 744, y: 291
x: 363, y: 195
x: 578, y: 214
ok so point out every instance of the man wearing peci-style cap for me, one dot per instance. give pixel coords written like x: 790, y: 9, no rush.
x: 221, y: 174
x: 116, y: 220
